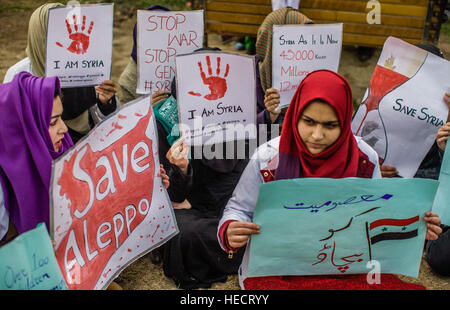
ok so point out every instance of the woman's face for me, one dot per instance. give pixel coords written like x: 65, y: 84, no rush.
x: 318, y: 126
x: 57, y: 127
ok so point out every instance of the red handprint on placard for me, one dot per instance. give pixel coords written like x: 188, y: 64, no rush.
x: 217, y: 85
x: 80, y: 40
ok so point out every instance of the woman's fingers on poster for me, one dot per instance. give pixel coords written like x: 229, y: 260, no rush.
x: 388, y: 171
x: 178, y: 155
x: 447, y: 99
x: 442, y: 142
x: 272, y: 100
x: 182, y: 205
x: 442, y: 136
x: 238, y: 241
x: 108, y: 85
x: 159, y: 96
x: 164, y: 177
x: 238, y: 233
x: 433, y: 225
x: 106, y: 91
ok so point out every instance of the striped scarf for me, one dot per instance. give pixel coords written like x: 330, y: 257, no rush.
x: 284, y: 16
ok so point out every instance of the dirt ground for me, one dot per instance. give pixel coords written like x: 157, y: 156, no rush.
x: 142, y: 274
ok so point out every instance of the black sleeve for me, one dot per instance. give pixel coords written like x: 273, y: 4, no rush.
x: 437, y: 252
x: 180, y: 184
x: 430, y: 167
x: 76, y: 100
x: 108, y: 108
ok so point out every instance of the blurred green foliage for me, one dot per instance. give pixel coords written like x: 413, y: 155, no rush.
x: 445, y: 28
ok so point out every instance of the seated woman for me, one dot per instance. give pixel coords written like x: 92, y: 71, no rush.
x: 199, y: 190
x: 32, y: 136
x: 316, y: 141
x: 83, y: 106
x: 437, y: 252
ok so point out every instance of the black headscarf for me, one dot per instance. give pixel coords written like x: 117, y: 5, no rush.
x: 432, y: 49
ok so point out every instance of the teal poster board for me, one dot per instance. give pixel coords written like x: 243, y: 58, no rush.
x: 337, y: 226
x: 29, y: 263
x: 441, y: 203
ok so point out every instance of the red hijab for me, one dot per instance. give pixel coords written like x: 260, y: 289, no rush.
x: 340, y: 160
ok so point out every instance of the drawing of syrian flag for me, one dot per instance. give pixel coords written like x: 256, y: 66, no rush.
x: 393, y: 229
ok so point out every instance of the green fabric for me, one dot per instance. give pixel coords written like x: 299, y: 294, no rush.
x: 249, y: 43
x: 166, y: 112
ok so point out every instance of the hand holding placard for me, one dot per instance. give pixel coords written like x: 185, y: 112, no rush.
x: 84, y: 44
x: 106, y: 91
x: 93, y: 242
x: 272, y: 101
x: 442, y: 136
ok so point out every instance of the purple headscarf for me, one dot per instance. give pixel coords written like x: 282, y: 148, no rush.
x: 26, y: 148
x: 156, y: 7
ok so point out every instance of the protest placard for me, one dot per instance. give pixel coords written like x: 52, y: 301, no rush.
x: 403, y: 108
x: 160, y: 37
x: 79, y: 44
x: 441, y: 203
x: 337, y: 226
x: 216, y: 99
x: 28, y: 263
x: 300, y: 49
x: 278, y: 4
x: 108, y: 203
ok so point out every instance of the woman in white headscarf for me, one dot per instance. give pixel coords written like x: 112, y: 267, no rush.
x: 83, y: 106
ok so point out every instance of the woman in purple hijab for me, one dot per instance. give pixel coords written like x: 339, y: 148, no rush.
x: 32, y: 135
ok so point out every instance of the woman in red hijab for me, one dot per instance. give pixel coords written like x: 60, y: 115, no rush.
x: 316, y: 141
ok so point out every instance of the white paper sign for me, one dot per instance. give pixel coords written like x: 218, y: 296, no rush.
x: 300, y: 49
x: 278, y: 4
x: 79, y: 44
x: 108, y: 204
x: 160, y: 37
x: 403, y: 107
x: 216, y: 95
